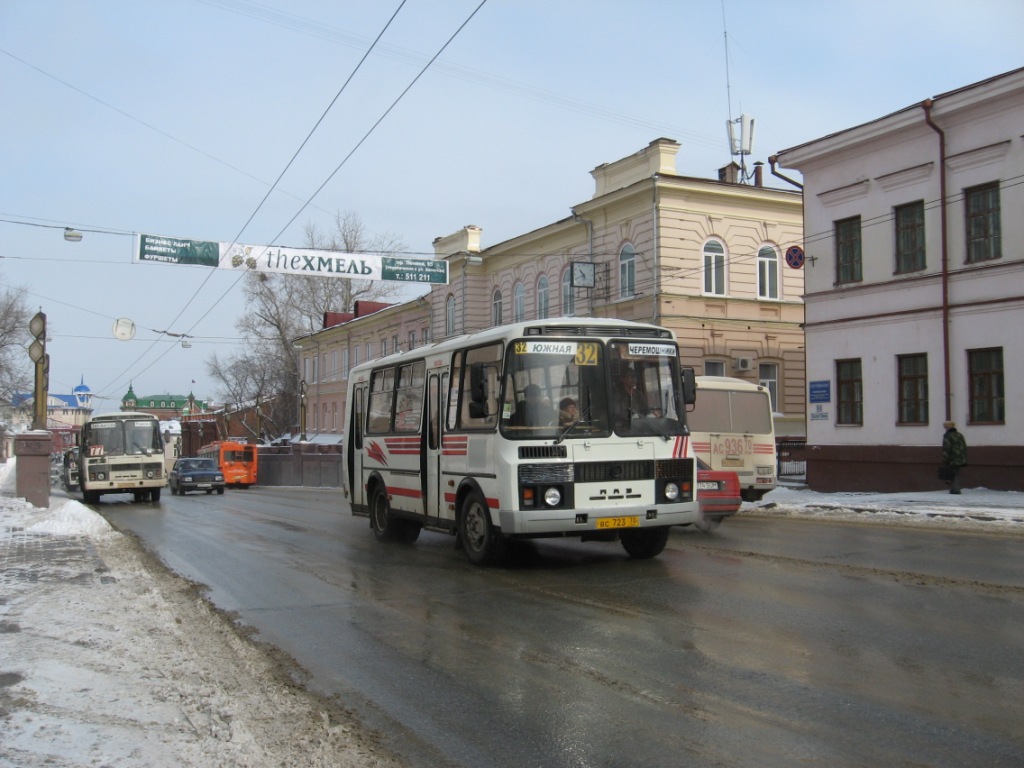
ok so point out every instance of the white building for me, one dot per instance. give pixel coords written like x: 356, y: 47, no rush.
x: 914, y: 237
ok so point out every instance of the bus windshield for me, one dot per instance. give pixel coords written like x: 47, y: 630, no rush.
x: 575, y: 388
x: 128, y: 437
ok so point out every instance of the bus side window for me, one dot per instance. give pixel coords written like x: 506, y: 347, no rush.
x: 382, y: 396
x: 483, y: 371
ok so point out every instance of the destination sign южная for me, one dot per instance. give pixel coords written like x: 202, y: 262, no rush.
x: 309, y: 262
x: 545, y: 348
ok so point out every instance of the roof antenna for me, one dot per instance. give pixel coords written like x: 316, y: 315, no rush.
x: 740, y: 130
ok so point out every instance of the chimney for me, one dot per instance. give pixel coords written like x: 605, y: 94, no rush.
x: 729, y: 173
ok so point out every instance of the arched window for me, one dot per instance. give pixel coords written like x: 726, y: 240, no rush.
x: 568, y: 297
x: 767, y: 273
x: 518, y: 303
x: 543, y: 309
x: 496, y: 308
x: 449, y: 318
x: 627, y: 272
x: 714, y: 268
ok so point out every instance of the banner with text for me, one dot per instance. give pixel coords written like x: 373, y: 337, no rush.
x: 290, y: 261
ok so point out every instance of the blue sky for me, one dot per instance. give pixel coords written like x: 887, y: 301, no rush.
x: 174, y: 118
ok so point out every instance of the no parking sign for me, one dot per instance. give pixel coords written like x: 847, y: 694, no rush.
x: 795, y: 256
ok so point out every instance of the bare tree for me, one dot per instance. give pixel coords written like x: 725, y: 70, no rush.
x: 15, y: 366
x: 282, y: 308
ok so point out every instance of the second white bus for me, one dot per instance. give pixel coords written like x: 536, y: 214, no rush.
x: 121, y: 452
x: 732, y: 429
x: 513, y: 432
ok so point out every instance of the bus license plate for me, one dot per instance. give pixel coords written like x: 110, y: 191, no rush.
x: 632, y: 521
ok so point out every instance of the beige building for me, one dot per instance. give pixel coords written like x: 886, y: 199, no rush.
x: 702, y: 257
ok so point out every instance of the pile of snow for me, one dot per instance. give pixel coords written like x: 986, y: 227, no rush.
x: 64, y: 517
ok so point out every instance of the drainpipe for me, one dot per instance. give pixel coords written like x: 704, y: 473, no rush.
x: 772, y: 161
x: 926, y: 105
x: 655, y: 314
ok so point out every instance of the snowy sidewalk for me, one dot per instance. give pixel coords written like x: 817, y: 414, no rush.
x: 975, y: 509
x: 106, y: 659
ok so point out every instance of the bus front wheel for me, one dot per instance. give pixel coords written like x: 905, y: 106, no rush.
x: 644, y: 543
x: 386, y: 526
x: 481, y: 541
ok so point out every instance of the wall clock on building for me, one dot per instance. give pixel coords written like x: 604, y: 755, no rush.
x: 582, y: 274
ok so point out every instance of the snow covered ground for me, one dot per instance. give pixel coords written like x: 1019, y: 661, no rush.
x: 106, y: 659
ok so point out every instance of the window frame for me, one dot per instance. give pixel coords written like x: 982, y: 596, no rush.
x: 849, y: 392
x: 909, y: 246
x: 848, y: 250
x: 543, y: 298
x: 768, y: 272
x: 518, y: 303
x: 986, y: 386
x: 627, y: 271
x: 568, y: 296
x: 714, y: 268
x: 982, y: 227
x: 497, y: 311
x: 912, y: 405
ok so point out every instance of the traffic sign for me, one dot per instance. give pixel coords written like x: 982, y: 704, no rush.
x: 795, y: 256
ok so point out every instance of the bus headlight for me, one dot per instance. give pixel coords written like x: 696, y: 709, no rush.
x: 671, y: 491
x: 149, y: 474
x: 552, y: 497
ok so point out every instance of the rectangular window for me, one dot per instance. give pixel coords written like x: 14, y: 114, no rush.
x: 767, y: 273
x: 768, y: 377
x: 410, y: 397
x: 851, y: 392
x: 985, y: 374
x: 981, y: 205
x: 848, y: 259
x: 382, y: 401
x: 912, y: 374
x: 714, y: 368
x: 909, y: 220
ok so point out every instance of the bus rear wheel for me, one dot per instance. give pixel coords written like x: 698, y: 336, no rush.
x: 481, y: 541
x: 644, y: 543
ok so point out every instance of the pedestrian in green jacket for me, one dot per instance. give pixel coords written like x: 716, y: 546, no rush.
x: 954, y: 454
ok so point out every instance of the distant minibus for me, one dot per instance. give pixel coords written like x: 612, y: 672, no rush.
x: 731, y: 428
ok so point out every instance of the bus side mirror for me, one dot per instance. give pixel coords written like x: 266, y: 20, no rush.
x: 478, y: 391
x: 689, y: 386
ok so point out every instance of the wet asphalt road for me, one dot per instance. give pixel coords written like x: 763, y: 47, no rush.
x: 772, y: 642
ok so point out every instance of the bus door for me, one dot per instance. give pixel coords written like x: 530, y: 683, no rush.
x: 433, y: 495
x: 354, y: 446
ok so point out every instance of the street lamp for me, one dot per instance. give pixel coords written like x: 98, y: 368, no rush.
x: 72, y: 235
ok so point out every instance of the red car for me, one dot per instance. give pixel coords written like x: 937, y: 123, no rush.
x: 718, y: 493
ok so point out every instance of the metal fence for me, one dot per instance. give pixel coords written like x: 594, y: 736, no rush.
x: 790, y: 457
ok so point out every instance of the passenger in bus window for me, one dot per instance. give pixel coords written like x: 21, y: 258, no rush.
x: 567, y: 412
x: 628, y: 400
x: 531, y: 411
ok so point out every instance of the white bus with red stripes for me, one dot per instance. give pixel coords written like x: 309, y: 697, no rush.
x: 512, y: 432
x: 732, y: 429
